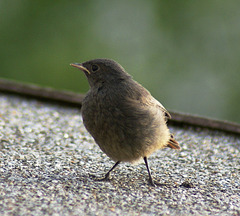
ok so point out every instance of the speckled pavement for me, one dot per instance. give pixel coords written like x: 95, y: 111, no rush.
x: 47, y: 163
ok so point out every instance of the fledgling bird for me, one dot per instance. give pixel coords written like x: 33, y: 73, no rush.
x: 125, y: 120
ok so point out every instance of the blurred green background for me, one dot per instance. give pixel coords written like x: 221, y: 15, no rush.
x: 185, y: 52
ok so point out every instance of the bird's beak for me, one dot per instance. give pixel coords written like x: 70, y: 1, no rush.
x: 80, y: 66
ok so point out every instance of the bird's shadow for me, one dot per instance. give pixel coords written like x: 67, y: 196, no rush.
x: 122, y: 181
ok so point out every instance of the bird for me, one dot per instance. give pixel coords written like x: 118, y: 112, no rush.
x: 125, y: 120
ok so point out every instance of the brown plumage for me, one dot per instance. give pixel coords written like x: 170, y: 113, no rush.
x: 124, y: 119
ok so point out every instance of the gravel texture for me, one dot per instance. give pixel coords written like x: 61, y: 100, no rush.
x: 47, y: 159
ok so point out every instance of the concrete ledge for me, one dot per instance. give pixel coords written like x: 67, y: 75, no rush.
x: 47, y: 163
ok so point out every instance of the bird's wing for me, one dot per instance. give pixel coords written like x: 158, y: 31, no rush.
x: 149, y: 100
x: 144, y: 97
x: 167, y: 114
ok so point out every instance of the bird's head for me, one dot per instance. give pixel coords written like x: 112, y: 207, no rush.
x: 102, y: 71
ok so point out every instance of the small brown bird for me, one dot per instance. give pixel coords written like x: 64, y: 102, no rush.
x: 122, y: 116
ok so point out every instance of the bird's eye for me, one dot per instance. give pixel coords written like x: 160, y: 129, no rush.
x: 95, y: 68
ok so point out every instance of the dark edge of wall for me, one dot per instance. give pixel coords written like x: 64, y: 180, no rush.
x: 183, y: 118
x: 43, y: 93
x: 75, y: 99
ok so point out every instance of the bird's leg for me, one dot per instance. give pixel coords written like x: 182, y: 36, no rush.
x: 149, y: 173
x: 106, y: 177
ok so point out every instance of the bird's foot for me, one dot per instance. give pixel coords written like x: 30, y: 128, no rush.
x: 161, y: 184
x: 96, y: 178
x: 151, y: 182
x: 155, y: 183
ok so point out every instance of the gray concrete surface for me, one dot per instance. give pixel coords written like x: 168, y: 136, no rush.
x: 47, y: 160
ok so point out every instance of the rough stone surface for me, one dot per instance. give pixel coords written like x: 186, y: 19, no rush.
x: 47, y: 159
